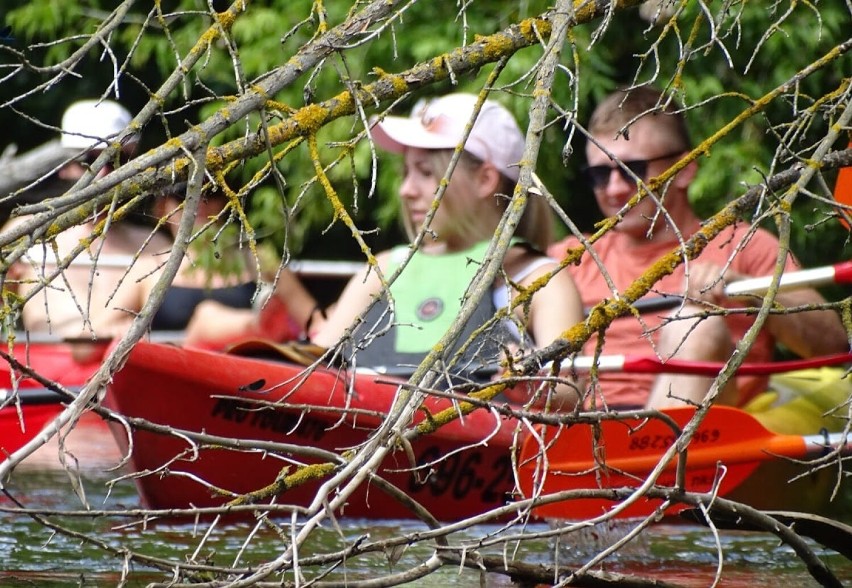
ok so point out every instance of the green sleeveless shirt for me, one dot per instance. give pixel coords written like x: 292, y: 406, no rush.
x: 427, y: 297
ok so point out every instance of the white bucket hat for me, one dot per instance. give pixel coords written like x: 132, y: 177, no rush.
x: 440, y: 123
x: 89, y: 123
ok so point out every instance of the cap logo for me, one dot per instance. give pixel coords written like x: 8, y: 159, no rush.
x: 427, y: 119
x: 431, y: 122
x: 430, y: 309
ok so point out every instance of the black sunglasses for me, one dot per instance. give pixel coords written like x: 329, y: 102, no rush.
x: 598, y: 175
x: 90, y: 157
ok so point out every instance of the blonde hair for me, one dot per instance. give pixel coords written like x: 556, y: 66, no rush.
x: 535, y: 226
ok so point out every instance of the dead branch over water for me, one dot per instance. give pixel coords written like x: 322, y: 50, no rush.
x: 292, y: 123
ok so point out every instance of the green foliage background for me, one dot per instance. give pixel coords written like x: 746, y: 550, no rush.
x: 757, y: 58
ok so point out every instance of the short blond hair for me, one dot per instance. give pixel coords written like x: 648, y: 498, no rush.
x: 624, y: 107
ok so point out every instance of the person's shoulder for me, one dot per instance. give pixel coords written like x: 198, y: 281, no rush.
x: 747, y: 237
x: 131, y: 239
x: 393, y: 257
x: 754, y: 250
x: 612, y: 245
x: 523, y: 263
x: 557, y: 250
x: 383, y: 257
x: 744, y: 229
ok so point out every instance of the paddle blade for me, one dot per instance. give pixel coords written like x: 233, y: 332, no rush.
x: 843, y: 271
x: 843, y: 190
x: 622, y: 453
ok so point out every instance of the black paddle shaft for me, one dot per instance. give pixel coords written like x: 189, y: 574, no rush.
x: 33, y: 396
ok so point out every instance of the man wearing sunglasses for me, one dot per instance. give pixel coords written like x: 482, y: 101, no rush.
x: 634, y: 137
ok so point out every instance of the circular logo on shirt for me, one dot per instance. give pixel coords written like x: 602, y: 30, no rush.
x: 430, y: 309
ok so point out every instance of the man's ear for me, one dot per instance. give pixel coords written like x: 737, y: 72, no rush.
x: 684, y: 178
x: 489, y: 180
x: 158, y: 207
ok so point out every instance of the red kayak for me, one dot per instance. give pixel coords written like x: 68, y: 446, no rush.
x: 731, y: 454
x: 21, y: 421
x: 216, y: 393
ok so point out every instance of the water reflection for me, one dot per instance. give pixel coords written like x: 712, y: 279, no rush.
x: 33, y: 555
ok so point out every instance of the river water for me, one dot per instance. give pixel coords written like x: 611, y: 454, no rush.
x: 32, y: 555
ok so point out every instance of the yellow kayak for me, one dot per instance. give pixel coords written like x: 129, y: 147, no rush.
x: 803, y: 402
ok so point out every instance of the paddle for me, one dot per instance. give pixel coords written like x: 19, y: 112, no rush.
x: 320, y: 268
x: 23, y: 338
x: 843, y: 192
x: 642, y: 364
x: 628, y: 450
x: 840, y: 273
x: 31, y: 396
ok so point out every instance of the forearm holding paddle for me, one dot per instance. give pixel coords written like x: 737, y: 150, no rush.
x: 840, y: 273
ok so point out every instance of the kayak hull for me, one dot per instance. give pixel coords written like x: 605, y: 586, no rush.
x: 37, y: 406
x: 463, y: 469
x: 19, y: 426
x: 804, y: 402
x: 763, y: 455
x: 215, y: 393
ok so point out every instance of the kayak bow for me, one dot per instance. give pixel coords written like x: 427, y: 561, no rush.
x: 725, y: 450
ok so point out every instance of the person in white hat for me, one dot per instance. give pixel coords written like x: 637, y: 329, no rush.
x: 427, y: 296
x: 88, y: 127
x: 94, y: 298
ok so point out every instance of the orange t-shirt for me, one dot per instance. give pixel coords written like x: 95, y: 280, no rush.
x: 625, y: 262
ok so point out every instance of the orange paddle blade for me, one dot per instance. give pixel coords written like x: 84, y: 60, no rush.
x: 843, y: 189
x: 625, y: 452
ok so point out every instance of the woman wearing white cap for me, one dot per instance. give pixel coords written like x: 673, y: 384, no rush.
x: 428, y: 293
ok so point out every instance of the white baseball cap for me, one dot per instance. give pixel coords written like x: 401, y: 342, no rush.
x: 88, y: 123
x: 440, y: 124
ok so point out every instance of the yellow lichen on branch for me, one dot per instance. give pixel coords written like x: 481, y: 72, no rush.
x: 285, y: 481
x: 448, y: 415
x: 340, y: 212
x: 309, y: 119
x: 226, y: 19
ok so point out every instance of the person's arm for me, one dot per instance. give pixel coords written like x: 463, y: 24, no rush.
x: 807, y: 334
x: 811, y: 333
x: 301, y: 305
x: 213, y: 322
x: 357, y: 295
x: 553, y: 310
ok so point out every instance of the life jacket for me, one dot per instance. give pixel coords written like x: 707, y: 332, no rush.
x: 427, y: 297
